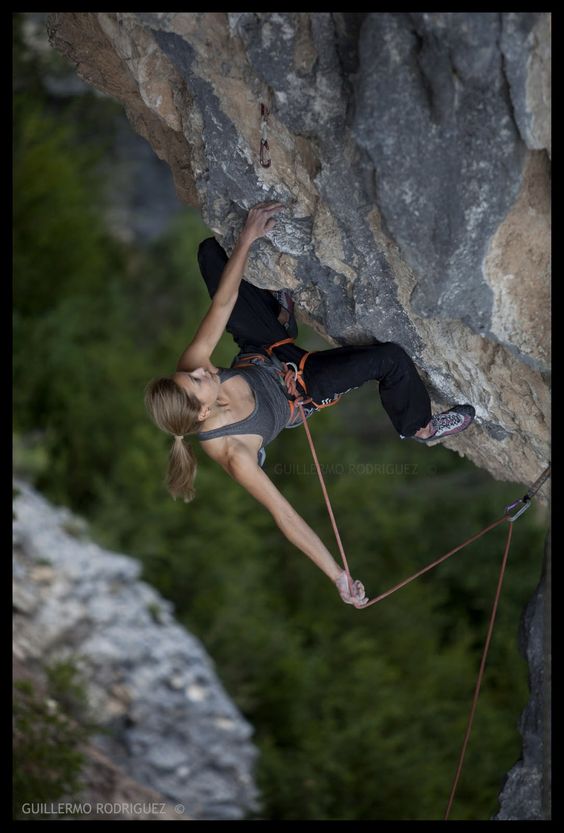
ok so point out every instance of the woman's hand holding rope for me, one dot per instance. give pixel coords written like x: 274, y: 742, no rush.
x: 351, y: 595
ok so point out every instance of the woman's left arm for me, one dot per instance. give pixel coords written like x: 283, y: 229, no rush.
x: 260, y: 219
x: 242, y: 466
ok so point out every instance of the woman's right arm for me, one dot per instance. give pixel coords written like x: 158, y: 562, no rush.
x: 242, y: 467
x: 259, y: 220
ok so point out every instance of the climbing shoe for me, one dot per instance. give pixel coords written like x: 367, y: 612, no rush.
x: 286, y: 302
x: 449, y: 422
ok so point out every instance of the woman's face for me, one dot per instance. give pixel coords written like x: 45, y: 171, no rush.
x: 201, y: 383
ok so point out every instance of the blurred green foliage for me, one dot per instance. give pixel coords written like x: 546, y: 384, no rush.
x: 358, y: 715
x: 50, y: 729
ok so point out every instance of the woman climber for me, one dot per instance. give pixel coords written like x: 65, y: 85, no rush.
x: 236, y: 412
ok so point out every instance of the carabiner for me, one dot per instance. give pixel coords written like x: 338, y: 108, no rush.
x: 264, y: 155
x: 526, y: 501
x: 527, y: 498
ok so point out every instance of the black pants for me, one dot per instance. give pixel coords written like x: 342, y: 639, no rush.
x: 254, y: 324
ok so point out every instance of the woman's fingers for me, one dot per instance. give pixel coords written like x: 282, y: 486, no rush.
x: 351, y: 592
x: 360, y: 595
x: 261, y: 219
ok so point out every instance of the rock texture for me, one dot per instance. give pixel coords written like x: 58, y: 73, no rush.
x: 107, y: 791
x: 412, y: 151
x: 526, y: 792
x: 172, y: 727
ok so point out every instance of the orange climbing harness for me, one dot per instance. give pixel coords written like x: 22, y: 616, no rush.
x: 292, y: 376
x: 289, y: 374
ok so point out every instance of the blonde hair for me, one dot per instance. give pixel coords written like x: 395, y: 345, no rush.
x: 175, y: 411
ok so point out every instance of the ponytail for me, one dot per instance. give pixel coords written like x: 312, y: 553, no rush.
x: 175, y: 411
x: 182, y: 469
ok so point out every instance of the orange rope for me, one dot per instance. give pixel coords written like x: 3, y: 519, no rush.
x: 326, y: 496
x: 437, y: 562
x: 480, y: 673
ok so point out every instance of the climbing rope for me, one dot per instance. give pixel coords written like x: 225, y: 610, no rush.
x: 480, y: 672
x: 290, y: 378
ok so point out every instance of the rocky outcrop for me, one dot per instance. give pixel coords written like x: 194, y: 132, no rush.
x: 526, y: 792
x: 106, y: 791
x: 171, y: 727
x: 412, y: 151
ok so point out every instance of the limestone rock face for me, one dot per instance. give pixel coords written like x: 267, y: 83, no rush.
x: 413, y: 153
x: 171, y: 727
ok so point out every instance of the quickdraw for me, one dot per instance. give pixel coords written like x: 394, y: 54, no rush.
x: 264, y: 153
x: 527, y: 497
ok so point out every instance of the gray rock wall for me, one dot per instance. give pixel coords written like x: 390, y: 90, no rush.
x: 412, y: 151
x: 526, y: 792
x: 171, y: 725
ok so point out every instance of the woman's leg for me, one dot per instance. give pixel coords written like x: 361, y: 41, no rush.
x: 328, y: 373
x: 254, y: 319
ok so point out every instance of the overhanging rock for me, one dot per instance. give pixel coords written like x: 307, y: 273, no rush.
x: 412, y: 151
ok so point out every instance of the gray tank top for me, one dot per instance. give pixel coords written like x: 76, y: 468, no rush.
x: 271, y: 413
